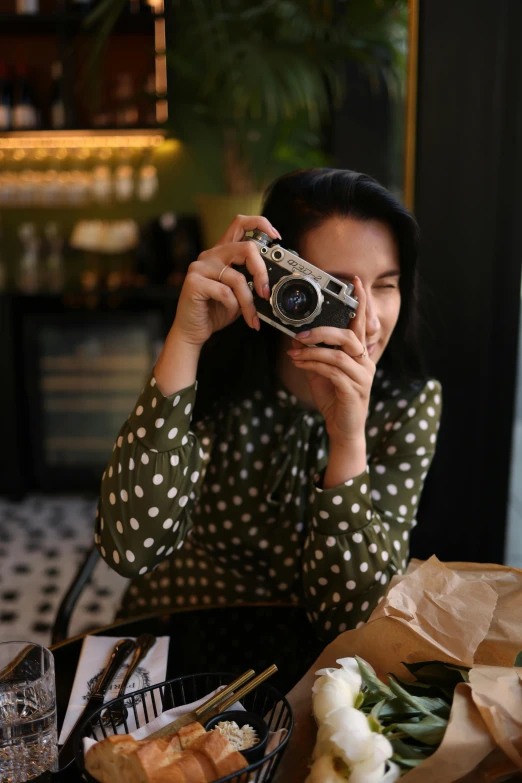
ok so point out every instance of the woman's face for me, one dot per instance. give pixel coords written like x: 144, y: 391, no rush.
x: 345, y: 247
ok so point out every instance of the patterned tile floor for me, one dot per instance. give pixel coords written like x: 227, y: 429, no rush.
x: 42, y: 542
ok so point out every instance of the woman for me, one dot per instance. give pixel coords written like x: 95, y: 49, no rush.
x: 301, y: 475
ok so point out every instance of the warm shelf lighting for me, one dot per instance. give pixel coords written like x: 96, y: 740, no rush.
x: 161, y: 74
x: 160, y: 40
x: 74, y: 140
x: 162, y: 110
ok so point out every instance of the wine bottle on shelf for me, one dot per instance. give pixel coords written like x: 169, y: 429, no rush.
x: 126, y: 113
x: 25, y: 112
x: 6, y: 100
x: 102, y: 116
x: 27, y: 277
x: 54, y: 266
x: 27, y: 6
x: 149, y: 102
x: 57, y: 105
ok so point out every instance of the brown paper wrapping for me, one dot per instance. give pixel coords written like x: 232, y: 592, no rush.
x: 464, y: 613
x: 504, y: 639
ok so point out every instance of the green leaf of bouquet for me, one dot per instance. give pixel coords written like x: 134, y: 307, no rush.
x: 374, y: 724
x: 423, y: 704
x: 424, y: 689
x: 463, y: 671
x: 376, y: 709
x: 408, y: 763
x: 396, y: 710
x: 370, y: 700
x: 406, y: 751
x: 430, y: 730
x: 372, y: 682
x: 438, y: 673
x: 393, y: 735
x: 359, y: 700
x: 518, y: 659
x: 435, y: 705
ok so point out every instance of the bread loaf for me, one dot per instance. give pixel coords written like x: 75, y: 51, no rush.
x: 190, y: 756
x: 149, y: 756
x: 123, y: 758
x: 192, y: 767
x: 189, y: 733
x: 222, y: 754
x: 105, y: 760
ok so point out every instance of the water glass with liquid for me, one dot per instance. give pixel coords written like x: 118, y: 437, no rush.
x: 28, y: 740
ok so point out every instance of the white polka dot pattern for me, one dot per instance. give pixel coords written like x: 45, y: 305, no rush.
x: 246, y: 488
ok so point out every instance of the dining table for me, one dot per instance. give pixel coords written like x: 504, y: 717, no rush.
x: 230, y: 638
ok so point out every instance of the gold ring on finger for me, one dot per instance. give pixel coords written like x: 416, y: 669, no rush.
x: 221, y: 273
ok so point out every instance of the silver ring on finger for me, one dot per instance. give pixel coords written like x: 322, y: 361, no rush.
x: 222, y: 272
x: 361, y: 355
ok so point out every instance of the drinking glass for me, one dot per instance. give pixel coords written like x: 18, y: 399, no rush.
x: 27, y: 711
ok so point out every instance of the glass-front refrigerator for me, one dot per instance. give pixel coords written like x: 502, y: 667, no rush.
x: 83, y: 377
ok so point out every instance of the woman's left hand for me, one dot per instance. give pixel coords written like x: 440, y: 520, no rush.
x: 340, y: 378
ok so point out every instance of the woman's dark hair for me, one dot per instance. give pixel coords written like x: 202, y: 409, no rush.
x: 238, y: 359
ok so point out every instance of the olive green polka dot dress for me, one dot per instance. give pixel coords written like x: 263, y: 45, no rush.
x: 232, y: 510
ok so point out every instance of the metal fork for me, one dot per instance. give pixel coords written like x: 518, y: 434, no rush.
x: 117, y: 714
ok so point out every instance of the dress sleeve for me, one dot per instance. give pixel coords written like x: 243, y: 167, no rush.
x: 359, y: 534
x: 152, y: 480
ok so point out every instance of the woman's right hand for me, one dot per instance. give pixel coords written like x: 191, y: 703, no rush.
x: 207, y: 304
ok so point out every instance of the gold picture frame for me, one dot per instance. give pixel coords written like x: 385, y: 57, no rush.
x: 410, y: 134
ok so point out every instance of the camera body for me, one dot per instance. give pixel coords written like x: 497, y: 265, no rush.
x: 301, y: 295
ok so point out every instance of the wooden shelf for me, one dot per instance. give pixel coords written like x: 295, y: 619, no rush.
x: 145, y: 293
x: 82, y: 137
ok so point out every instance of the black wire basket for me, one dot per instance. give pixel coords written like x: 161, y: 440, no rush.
x: 146, y: 704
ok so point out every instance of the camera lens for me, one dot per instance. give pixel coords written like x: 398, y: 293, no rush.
x: 297, y: 299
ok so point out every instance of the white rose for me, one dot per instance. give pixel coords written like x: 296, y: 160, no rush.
x: 366, y: 773
x: 336, y: 688
x: 346, y: 748
x: 349, y: 670
x: 345, y: 732
x: 350, y: 732
x: 328, y: 770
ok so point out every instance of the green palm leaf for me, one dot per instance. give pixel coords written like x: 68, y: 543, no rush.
x: 276, y: 66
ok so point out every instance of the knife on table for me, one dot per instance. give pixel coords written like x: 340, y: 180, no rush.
x: 142, y: 646
x: 119, y: 653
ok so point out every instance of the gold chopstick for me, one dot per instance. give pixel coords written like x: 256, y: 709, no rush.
x: 203, y: 708
x: 247, y: 688
x: 218, y: 698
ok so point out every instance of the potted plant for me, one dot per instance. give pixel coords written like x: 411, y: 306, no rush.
x: 254, y: 82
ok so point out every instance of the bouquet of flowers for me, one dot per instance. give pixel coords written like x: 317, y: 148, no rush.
x: 372, y: 732
x: 428, y: 690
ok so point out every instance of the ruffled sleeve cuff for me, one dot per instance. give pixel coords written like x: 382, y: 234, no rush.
x: 348, y: 507
x: 162, y: 423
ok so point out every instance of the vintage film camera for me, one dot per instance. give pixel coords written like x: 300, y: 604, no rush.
x: 301, y: 295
